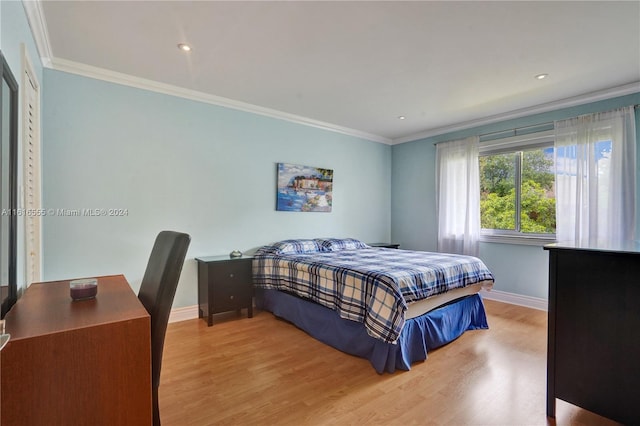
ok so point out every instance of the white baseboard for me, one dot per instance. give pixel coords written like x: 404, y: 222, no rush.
x: 516, y: 299
x: 191, y: 312
x: 183, y: 314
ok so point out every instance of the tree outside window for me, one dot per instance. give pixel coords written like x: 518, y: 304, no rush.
x: 517, y: 191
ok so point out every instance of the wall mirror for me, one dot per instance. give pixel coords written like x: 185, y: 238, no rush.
x: 8, y: 188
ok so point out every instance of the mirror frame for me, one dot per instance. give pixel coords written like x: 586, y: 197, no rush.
x: 9, y: 254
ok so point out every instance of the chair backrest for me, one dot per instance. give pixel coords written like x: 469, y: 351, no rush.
x: 159, y: 287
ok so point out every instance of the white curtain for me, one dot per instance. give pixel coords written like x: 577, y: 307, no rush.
x: 458, y: 196
x: 595, y: 157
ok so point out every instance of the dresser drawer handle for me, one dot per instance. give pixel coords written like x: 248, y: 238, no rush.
x: 230, y: 275
x: 230, y: 297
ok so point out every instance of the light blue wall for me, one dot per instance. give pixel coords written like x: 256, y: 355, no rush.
x: 189, y: 166
x: 14, y: 32
x: 518, y: 269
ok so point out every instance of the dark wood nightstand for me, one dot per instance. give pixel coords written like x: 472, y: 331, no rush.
x: 384, y: 245
x: 224, y: 284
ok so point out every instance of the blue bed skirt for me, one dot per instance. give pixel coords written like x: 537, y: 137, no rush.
x: 419, y: 335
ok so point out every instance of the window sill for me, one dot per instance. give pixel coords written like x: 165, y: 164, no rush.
x: 517, y: 239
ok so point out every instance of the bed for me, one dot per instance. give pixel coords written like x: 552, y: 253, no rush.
x: 389, y: 306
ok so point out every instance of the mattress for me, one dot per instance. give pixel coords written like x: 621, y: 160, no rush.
x: 421, y: 307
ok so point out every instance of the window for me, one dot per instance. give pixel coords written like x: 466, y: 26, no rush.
x: 517, y: 189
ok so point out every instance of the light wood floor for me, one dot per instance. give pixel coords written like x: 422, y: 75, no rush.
x: 264, y: 371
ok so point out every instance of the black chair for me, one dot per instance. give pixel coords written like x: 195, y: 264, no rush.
x: 156, y: 294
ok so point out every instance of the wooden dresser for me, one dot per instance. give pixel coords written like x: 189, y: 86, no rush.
x: 77, y: 362
x: 593, y: 347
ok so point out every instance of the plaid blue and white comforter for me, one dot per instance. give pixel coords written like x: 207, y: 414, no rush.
x: 368, y: 285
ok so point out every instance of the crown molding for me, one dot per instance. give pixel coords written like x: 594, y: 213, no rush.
x: 38, y: 24
x: 194, y: 95
x: 600, y: 95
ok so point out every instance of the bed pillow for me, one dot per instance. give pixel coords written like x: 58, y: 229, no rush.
x: 295, y: 247
x: 336, y: 244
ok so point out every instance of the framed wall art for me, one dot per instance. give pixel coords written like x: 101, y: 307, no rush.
x: 304, y: 188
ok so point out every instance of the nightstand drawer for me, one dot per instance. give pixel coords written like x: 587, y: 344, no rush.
x: 225, y: 298
x: 237, y: 271
x: 230, y: 294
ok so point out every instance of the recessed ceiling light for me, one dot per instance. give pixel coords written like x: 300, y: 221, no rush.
x: 184, y: 47
x: 401, y: 117
x: 542, y: 76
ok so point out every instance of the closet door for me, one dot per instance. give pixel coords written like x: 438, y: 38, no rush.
x: 31, y: 168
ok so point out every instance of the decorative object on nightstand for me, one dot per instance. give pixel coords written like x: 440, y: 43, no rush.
x: 384, y: 245
x: 225, y: 283
x: 235, y: 253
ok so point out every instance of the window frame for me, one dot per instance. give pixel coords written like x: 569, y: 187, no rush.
x: 513, y: 145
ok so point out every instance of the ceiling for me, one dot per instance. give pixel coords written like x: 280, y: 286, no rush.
x: 356, y: 66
